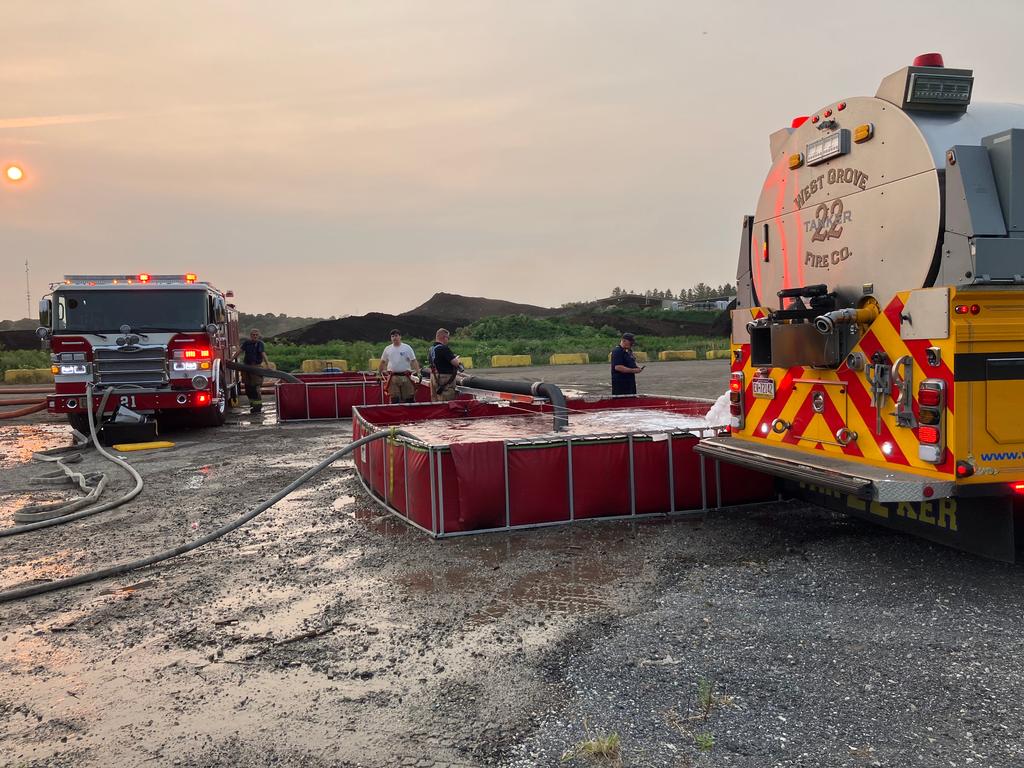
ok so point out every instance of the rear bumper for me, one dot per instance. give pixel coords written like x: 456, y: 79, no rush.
x: 160, y: 400
x: 855, y: 478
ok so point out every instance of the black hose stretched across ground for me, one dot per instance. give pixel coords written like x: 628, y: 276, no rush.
x: 269, y: 373
x: 134, y: 565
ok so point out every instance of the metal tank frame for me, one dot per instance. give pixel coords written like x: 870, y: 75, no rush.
x: 690, y: 484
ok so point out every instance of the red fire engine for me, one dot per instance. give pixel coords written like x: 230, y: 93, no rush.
x: 156, y: 343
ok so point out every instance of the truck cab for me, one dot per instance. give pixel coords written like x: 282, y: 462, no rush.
x: 151, y: 344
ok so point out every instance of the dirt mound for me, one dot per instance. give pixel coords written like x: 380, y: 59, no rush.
x: 474, y: 307
x: 374, y: 326
x: 19, y: 340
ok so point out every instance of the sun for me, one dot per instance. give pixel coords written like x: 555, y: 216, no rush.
x: 14, y: 173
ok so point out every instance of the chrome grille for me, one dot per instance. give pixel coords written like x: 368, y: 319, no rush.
x: 144, y: 366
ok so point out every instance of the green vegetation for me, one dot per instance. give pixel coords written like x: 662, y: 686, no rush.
x: 23, y: 358
x: 598, y: 748
x: 510, y: 335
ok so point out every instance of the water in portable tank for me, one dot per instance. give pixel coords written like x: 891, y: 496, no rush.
x: 614, y: 421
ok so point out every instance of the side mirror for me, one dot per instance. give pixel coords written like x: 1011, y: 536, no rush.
x: 43, y: 332
x: 45, y: 313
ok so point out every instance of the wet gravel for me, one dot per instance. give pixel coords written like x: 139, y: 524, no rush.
x: 329, y: 634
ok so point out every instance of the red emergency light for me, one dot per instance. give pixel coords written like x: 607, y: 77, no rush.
x: 144, y: 277
x: 202, y: 398
x: 929, y: 60
x: 929, y: 397
x: 1017, y: 487
x: 928, y: 435
x: 798, y: 121
x: 192, y: 354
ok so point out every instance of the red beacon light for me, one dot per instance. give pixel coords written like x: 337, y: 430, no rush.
x: 144, y: 278
x: 798, y: 121
x: 815, y: 119
x: 929, y: 60
x: 1017, y: 487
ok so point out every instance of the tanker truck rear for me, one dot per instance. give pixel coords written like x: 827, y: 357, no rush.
x: 878, y: 339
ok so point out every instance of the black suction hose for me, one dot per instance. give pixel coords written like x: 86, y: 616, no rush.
x: 534, y: 389
x: 269, y: 373
x: 167, y: 554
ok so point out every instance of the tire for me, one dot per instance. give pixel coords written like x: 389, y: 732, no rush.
x: 214, y: 415
x: 80, y: 422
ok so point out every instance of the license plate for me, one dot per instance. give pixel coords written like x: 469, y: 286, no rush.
x: 764, y: 388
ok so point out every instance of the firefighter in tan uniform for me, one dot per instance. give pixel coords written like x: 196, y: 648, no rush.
x: 397, y: 364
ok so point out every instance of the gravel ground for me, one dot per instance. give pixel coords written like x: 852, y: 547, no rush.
x: 326, y: 633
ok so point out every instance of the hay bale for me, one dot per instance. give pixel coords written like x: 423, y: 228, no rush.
x: 569, y: 358
x: 317, y: 366
x: 28, y: 376
x: 677, y: 354
x: 510, y: 361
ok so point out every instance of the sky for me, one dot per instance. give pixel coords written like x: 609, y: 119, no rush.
x: 335, y: 157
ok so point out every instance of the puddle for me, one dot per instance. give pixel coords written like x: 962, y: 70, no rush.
x: 571, y: 589
x: 447, y: 580
x: 19, y: 441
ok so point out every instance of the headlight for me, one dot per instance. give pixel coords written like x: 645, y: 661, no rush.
x: 184, y: 366
x: 72, y: 370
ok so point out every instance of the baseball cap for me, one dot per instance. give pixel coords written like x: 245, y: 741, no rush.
x: 629, y: 337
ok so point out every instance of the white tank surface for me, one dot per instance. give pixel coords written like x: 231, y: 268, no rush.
x: 855, y: 196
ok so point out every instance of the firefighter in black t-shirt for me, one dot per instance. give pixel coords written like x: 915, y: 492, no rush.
x: 444, y: 365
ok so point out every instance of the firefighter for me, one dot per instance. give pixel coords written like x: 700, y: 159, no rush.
x: 254, y: 353
x: 397, y: 363
x: 444, y: 365
x: 624, y: 367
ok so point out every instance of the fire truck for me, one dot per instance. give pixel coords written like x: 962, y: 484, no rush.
x: 158, y: 344
x: 878, y: 335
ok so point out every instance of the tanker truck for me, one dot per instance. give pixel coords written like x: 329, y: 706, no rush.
x: 878, y: 336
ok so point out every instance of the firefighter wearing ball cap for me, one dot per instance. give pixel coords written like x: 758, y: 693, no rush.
x: 624, y: 367
x: 397, y: 363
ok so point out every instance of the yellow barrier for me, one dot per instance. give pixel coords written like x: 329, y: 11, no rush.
x: 510, y: 361
x: 569, y: 358
x: 28, y: 376
x: 467, y: 362
x: 374, y: 364
x: 719, y: 354
x: 142, y: 446
x: 641, y: 357
x: 677, y: 354
x: 317, y: 366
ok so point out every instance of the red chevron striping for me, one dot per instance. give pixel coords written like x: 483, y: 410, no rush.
x: 862, y: 401
x: 835, y: 423
x: 917, y: 349
x: 783, y: 391
x: 803, y: 416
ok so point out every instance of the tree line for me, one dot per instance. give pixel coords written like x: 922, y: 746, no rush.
x: 699, y: 292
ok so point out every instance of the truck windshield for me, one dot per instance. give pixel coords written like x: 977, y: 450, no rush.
x: 107, y: 311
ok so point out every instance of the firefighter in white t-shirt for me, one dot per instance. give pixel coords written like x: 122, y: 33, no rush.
x: 397, y: 364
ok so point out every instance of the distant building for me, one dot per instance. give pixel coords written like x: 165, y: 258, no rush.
x: 712, y: 304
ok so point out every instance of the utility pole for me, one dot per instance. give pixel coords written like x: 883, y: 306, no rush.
x: 28, y: 292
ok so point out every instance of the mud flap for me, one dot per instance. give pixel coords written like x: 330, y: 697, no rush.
x: 980, y: 525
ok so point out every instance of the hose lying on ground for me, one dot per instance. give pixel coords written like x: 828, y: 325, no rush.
x: 134, y: 565
x: 23, y: 411
x: 69, y: 511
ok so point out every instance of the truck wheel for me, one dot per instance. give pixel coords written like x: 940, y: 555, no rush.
x: 80, y: 422
x: 214, y: 415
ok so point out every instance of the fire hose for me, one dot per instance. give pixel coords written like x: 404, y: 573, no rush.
x: 47, y: 516
x: 28, y: 409
x: 134, y: 565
